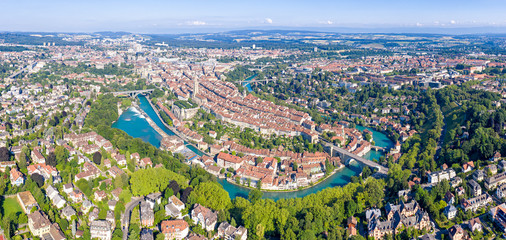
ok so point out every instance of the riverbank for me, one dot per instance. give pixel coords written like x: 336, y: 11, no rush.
x: 135, y: 124
x: 340, y: 178
x: 151, y: 122
x: 174, y: 131
x: 288, y: 190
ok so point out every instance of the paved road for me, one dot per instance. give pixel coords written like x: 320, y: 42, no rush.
x: 125, y: 220
x: 15, y: 74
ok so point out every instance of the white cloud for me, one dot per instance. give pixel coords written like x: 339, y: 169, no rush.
x: 197, y: 23
x: 419, y: 24
x: 268, y: 20
x: 326, y: 22
x: 453, y: 22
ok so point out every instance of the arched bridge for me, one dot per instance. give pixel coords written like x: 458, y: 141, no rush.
x: 348, y: 157
x: 133, y: 93
x: 256, y: 81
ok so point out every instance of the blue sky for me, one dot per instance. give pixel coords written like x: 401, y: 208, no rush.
x: 200, y: 15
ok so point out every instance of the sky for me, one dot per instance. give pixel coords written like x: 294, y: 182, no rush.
x: 149, y: 16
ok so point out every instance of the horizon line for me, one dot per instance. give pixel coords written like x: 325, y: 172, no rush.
x: 435, y: 30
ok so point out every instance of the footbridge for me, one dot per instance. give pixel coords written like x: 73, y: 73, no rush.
x: 348, y: 157
x: 133, y: 93
x: 377, y: 148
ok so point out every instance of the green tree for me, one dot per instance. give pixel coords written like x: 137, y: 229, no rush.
x: 212, y: 195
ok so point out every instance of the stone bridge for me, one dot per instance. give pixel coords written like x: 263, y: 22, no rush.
x: 348, y: 157
x: 133, y: 93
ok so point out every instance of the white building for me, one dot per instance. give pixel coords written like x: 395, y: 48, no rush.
x: 438, y: 176
x: 101, y: 229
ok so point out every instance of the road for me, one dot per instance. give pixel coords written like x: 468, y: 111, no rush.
x: 15, y: 74
x: 125, y: 220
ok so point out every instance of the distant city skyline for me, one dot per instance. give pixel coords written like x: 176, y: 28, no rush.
x: 212, y: 16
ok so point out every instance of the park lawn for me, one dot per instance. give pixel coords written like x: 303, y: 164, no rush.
x: 451, y: 123
x: 11, y: 205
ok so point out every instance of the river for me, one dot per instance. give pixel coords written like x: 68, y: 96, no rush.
x: 248, y: 85
x: 134, y: 123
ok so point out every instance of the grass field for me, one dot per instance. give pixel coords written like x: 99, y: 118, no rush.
x: 11, y: 205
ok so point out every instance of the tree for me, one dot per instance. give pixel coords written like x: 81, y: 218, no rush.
x: 374, y: 192
x: 22, y: 160
x: 5, y: 154
x: 186, y: 193
x: 255, y: 195
x: 212, y: 195
x: 62, y: 154
x: 37, y: 178
x: 51, y: 159
x: 174, y: 186
x: 97, y: 158
x: 150, y: 180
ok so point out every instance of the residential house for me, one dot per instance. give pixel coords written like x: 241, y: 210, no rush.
x: 110, y: 218
x: 491, y: 169
x: 153, y: 198
x: 93, y: 215
x: 174, y: 229
x: 479, y: 175
x: 460, y: 191
x: 475, y: 203
x: 449, y: 198
x: 67, y: 212
x: 371, y: 214
x: 37, y: 157
x: 474, y: 187
x: 17, y: 178
x: 55, y: 232
x: 467, y: 167
x: 438, y: 176
x: 58, y: 201
x: 229, y: 232
x: 100, y: 195
x: 450, y: 211
x: 501, y: 191
x: 352, y: 226
x: 496, y: 180
x: 101, y: 229
x: 76, y: 196
x: 496, y: 157
x: 115, y: 193
x: 455, y: 182
x: 120, y: 159
x: 86, y: 206
x: 145, y: 162
x: 147, y: 215
x: 68, y: 188
x: 146, y: 234
x: 38, y: 224
x: 174, y: 207
x: 457, y: 233
x: 205, y: 217
x: 115, y: 171
x: 475, y: 225
x: 498, y: 215
x: 404, y: 215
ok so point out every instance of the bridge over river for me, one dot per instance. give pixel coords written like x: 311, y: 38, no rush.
x: 348, y: 156
x: 133, y: 93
